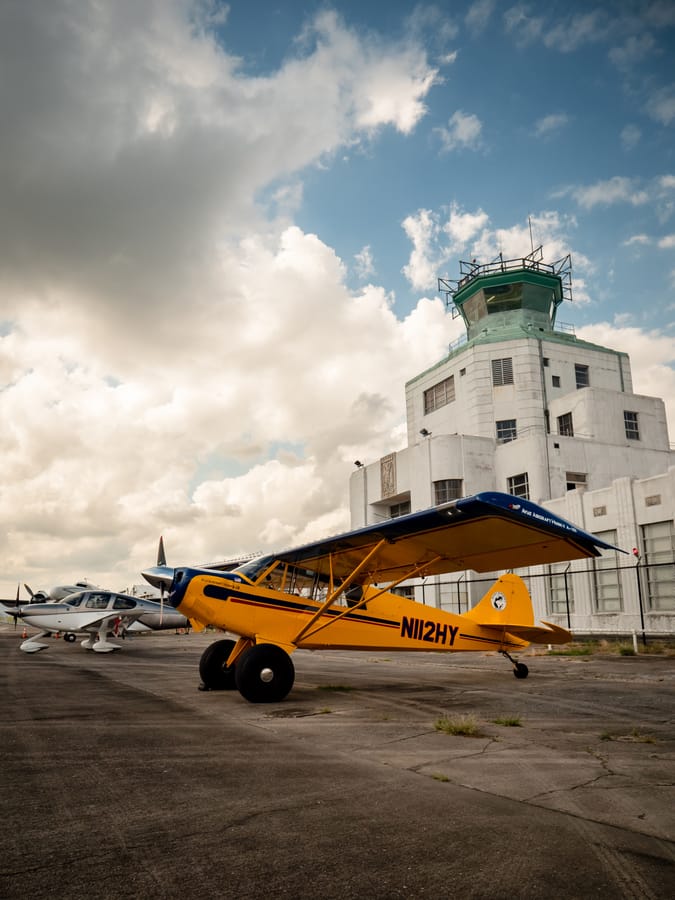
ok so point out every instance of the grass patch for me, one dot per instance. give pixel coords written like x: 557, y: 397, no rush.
x: 325, y: 711
x: 634, y: 736
x: 440, y: 778
x: 585, y: 648
x: 615, y: 646
x: 508, y: 721
x: 458, y: 725
x: 335, y: 688
x: 640, y: 737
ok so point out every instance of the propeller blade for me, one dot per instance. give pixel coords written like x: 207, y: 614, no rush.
x: 161, y: 561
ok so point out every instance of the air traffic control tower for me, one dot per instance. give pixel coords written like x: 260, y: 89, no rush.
x: 519, y: 404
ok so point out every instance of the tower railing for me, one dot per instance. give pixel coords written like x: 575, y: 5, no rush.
x: 533, y: 262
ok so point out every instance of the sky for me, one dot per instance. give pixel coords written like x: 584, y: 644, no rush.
x: 222, y: 228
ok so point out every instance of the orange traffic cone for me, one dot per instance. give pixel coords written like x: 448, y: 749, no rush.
x: 24, y: 634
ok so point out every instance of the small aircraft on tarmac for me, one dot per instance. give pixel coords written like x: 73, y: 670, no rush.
x: 337, y: 593
x: 98, y: 614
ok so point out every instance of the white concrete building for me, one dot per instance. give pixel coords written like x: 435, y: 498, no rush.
x: 522, y: 406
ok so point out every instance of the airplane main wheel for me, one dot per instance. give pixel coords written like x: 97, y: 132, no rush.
x: 212, y: 669
x: 520, y: 670
x: 70, y: 638
x: 265, y: 674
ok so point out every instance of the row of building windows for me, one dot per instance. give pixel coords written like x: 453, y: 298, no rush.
x: 447, y: 489
x: 507, y: 428
x: 657, y: 574
x: 502, y: 373
x: 630, y: 424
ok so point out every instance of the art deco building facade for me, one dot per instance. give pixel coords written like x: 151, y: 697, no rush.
x: 525, y: 407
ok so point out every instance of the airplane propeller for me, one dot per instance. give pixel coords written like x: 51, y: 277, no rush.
x: 16, y: 604
x: 161, y: 561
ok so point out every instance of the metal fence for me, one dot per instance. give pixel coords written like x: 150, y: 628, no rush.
x: 600, y: 599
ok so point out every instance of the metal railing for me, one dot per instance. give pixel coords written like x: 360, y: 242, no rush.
x: 646, y: 597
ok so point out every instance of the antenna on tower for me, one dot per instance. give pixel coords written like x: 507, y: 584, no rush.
x: 529, y: 222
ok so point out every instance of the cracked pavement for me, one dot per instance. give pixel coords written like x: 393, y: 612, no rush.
x: 120, y: 779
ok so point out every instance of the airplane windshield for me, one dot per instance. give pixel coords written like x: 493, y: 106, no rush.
x: 255, y: 567
x: 74, y: 599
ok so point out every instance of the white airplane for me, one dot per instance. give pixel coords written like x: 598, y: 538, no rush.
x: 98, y: 614
x: 59, y: 592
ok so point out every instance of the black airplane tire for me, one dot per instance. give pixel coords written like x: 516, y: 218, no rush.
x: 520, y: 670
x: 265, y: 674
x: 70, y: 637
x: 212, y: 670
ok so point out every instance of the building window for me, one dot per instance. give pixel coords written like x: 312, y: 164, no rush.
x: 399, y: 509
x: 565, y: 426
x: 630, y: 421
x: 462, y: 371
x: 519, y: 486
x: 576, y: 481
x: 439, y: 395
x: 555, y: 380
x: 608, y: 596
x: 506, y: 431
x: 544, y: 361
x: 447, y: 489
x: 561, y: 592
x: 502, y: 371
x: 658, y: 540
x: 581, y: 375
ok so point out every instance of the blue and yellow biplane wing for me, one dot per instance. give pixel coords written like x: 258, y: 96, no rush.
x: 486, y: 532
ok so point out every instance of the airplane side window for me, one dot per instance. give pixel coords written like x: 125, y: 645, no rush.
x: 353, y: 595
x: 96, y: 601
x: 74, y: 601
x: 123, y: 603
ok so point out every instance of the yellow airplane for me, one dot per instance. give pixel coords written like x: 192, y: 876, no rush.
x: 337, y: 593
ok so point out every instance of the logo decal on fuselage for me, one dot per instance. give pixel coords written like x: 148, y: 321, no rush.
x: 498, y: 602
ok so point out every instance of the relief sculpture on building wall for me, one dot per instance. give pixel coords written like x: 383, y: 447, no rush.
x: 388, y: 475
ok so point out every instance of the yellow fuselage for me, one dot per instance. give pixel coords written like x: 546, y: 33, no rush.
x: 387, y: 621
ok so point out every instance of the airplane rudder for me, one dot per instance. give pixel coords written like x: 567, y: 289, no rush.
x: 506, y: 602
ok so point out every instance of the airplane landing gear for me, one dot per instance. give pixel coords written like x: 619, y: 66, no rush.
x: 520, y: 670
x: 265, y: 674
x: 215, y: 675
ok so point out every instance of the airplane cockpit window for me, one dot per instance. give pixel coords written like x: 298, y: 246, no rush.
x: 123, y: 603
x: 96, y: 601
x: 253, y: 568
x: 75, y: 599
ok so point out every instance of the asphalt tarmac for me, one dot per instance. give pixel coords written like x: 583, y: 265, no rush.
x: 121, y: 779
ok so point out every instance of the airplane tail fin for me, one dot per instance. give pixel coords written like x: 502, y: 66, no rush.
x: 507, y: 606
